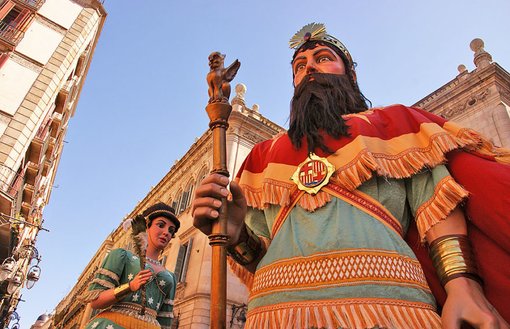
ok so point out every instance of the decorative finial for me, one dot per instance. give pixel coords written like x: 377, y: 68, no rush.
x: 255, y: 107
x: 482, y: 58
x: 461, y: 68
x: 240, y: 90
x: 476, y: 45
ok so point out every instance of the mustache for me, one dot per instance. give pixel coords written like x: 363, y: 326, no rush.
x: 317, y: 107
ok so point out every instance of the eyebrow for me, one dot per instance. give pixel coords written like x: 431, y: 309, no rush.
x: 314, y: 53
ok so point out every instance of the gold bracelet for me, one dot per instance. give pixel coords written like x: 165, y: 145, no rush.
x: 247, y: 251
x: 122, y: 291
x: 452, y: 258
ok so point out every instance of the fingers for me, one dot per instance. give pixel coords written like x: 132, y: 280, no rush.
x: 208, y: 200
x: 237, y: 194
x: 450, y: 320
x: 214, y: 185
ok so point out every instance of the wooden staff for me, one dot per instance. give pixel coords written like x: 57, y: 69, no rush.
x: 219, y: 111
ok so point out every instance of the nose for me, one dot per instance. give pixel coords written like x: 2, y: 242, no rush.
x: 310, y: 67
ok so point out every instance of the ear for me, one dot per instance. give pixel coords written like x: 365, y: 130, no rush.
x: 354, y: 77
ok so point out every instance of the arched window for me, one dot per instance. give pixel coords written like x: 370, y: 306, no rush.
x: 175, y: 202
x: 202, y: 174
x: 186, y: 197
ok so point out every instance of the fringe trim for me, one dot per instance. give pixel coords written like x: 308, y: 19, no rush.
x: 245, y: 276
x: 345, y: 314
x: 362, y: 167
x: 241, y: 272
x: 89, y: 296
x: 447, y: 195
x: 484, y: 146
x: 313, y: 202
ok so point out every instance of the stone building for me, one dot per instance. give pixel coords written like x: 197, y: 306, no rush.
x: 188, y: 254
x: 46, y: 47
x: 477, y: 99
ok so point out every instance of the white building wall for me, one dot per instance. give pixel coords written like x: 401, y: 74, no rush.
x: 39, y: 42
x: 15, y: 82
x: 62, y: 12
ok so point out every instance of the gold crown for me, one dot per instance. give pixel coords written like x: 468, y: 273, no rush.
x: 317, y: 32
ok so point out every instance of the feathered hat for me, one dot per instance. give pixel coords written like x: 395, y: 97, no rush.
x: 141, y: 222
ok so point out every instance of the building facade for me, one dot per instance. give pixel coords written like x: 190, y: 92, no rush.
x: 46, y: 47
x: 188, y: 254
x: 478, y: 99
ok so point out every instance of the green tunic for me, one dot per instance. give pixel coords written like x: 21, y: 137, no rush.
x: 119, y: 267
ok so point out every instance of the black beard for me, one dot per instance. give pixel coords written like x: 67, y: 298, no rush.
x: 317, y: 106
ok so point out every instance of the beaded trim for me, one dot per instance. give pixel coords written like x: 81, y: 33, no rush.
x: 133, y: 310
x: 168, y: 301
x: 166, y: 315
x: 160, y: 211
x: 153, y: 261
x: 104, y: 283
x: 110, y: 274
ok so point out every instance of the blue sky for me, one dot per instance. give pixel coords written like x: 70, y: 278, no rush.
x: 144, y: 99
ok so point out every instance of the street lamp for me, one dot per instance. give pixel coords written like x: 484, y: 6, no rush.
x: 15, y: 282
x: 14, y: 316
x: 241, y: 317
x: 7, y: 268
x: 33, y: 275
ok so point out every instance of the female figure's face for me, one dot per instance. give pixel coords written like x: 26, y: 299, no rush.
x: 160, y: 232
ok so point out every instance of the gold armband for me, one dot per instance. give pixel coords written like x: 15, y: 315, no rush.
x: 122, y: 291
x: 452, y: 258
x: 247, y: 251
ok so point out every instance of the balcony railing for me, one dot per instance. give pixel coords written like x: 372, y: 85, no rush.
x: 33, y: 4
x: 10, y: 34
x: 10, y: 181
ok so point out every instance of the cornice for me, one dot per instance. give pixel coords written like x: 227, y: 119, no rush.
x: 50, y: 24
x: 27, y: 62
x: 96, y: 4
x: 461, y: 89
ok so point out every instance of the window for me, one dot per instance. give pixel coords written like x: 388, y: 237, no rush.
x: 181, y: 266
x: 186, y: 197
x: 177, y: 202
x: 14, y: 21
x: 202, y: 175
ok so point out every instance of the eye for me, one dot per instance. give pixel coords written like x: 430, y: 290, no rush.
x: 323, y: 59
x: 171, y: 230
x: 160, y: 224
x: 298, y: 67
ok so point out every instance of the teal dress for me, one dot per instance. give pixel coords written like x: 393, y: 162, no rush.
x: 340, y: 267
x: 119, y: 267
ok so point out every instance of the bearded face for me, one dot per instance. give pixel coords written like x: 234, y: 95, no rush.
x: 317, y: 107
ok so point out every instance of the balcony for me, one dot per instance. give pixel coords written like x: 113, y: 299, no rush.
x: 10, y: 34
x: 10, y: 183
x: 31, y: 4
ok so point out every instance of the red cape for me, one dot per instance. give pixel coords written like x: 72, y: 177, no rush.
x: 486, y: 209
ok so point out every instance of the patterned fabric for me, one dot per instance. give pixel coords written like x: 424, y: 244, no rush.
x: 337, y: 259
x: 119, y: 267
x: 395, y: 142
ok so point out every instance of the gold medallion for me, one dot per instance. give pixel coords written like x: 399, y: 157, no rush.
x: 313, y: 173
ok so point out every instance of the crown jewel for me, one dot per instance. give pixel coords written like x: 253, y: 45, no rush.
x: 317, y: 32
